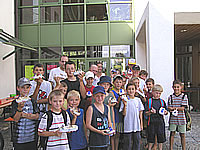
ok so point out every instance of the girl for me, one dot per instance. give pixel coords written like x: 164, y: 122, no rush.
x: 132, y: 108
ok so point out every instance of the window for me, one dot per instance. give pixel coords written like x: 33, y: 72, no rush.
x: 120, y: 12
x: 50, y: 14
x: 29, y: 16
x: 73, y: 13
x: 97, y: 12
x: 28, y: 2
x: 50, y: 52
x: 74, y: 52
x: 73, y: 1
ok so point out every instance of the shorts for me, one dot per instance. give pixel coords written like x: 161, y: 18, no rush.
x: 178, y: 128
x: 156, y: 129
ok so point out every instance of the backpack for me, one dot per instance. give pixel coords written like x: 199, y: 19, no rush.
x: 187, y: 115
x: 44, y: 139
x: 149, y: 102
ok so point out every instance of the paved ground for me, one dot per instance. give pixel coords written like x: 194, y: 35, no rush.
x: 192, y: 137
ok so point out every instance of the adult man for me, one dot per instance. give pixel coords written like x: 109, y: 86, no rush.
x: 58, y: 72
x: 100, y: 68
x: 73, y: 82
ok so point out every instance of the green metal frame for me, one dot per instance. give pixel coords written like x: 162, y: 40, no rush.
x: 84, y: 23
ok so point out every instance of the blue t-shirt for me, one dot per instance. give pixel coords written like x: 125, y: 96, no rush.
x: 77, y: 139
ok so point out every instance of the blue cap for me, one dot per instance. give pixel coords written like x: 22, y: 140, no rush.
x: 105, y: 79
x: 99, y: 89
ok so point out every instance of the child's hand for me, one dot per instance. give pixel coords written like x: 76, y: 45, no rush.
x: 57, y: 133
x: 39, y: 81
x: 103, y: 132
x: 20, y: 106
x: 153, y: 111
x: 110, y: 103
x: 165, y: 112
x: 80, y: 76
x: 57, y: 79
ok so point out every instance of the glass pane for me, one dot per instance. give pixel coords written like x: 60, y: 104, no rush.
x: 80, y: 64
x: 29, y: 16
x: 97, y: 12
x: 118, y: 64
x: 74, y: 52
x: 49, y: 1
x: 27, y: 54
x: 73, y: 13
x: 50, y: 52
x: 120, y: 12
x: 73, y: 1
x: 28, y: 2
x: 50, y: 14
x: 97, y: 51
x: 120, y: 50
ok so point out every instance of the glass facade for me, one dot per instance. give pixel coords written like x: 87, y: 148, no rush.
x: 84, y: 30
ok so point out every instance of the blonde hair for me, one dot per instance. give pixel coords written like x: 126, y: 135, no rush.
x: 73, y: 93
x: 158, y: 88
x: 56, y: 92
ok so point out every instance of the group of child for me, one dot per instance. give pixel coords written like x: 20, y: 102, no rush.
x: 117, y: 104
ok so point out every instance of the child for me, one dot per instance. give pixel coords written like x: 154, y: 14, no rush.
x: 98, y: 120
x: 133, y: 124
x: 25, y: 115
x: 143, y: 75
x: 177, y: 101
x: 156, y: 124
x: 77, y: 139
x: 56, y: 139
x: 149, y: 83
x: 40, y: 89
x: 118, y: 117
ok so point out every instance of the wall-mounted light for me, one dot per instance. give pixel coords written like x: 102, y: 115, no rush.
x: 183, y: 30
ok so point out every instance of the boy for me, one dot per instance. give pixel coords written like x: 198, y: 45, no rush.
x: 25, y: 114
x: 77, y: 139
x: 143, y: 75
x: 40, y: 89
x: 56, y: 139
x: 149, y: 83
x: 98, y: 120
x: 177, y: 102
x: 156, y: 124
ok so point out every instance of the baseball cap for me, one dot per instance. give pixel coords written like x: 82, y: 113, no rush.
x: 105, y: 79
x: 23, y: 81
x: 117, y: 76
x: 136, y: 67
x: 99, y: 89
x: 89, y: 74
x: 131, y: 61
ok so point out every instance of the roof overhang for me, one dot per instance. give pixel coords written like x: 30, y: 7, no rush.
x: 8, y: 39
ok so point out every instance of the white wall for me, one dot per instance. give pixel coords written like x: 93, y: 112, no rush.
x: 7, y: 67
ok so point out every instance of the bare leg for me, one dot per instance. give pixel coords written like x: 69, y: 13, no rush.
x: 116, y: 140
x: 182, y: 135
x: 112, y: 140
x: 160, y: 146
x: 155, y: 144
x: 171, y: 139
x: 149, y: 146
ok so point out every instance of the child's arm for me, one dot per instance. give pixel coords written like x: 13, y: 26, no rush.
x: 113, y: 117
x: 141, y: 119
x: 109, y: 118
x: 19, y: 112
x: 50, y: 133
x: 125, y: 106
x: 35, y: 94
x: 82, y: 87
x: 42, y: 101
x: 85, y: 128
x: 89, y: 120
x: 30, y: 116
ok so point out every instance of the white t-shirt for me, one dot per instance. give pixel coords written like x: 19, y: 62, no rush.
x: 56, y: 72
x: 142, y: 84
x: 44, y: 91
x: 55, y: 142
x: 132, y: 120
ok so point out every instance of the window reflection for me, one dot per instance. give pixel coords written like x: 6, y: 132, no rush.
x: 120, y: 11
x: 97, y: 12
x: 74, y: 52
x: 49, y: 1
x: 73, y: 13
x: 50, y: 52
x: 29, y: 16
x: 50, y: 14
x: 28, y: 2
x: 97, y: 51
x: 73, y: 1
x: 120, y: 51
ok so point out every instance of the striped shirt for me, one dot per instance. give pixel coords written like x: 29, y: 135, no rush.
x: 178, y: 101
x: 55, y: 142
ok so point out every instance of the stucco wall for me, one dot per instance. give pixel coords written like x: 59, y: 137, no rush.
x: 7, y: 67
